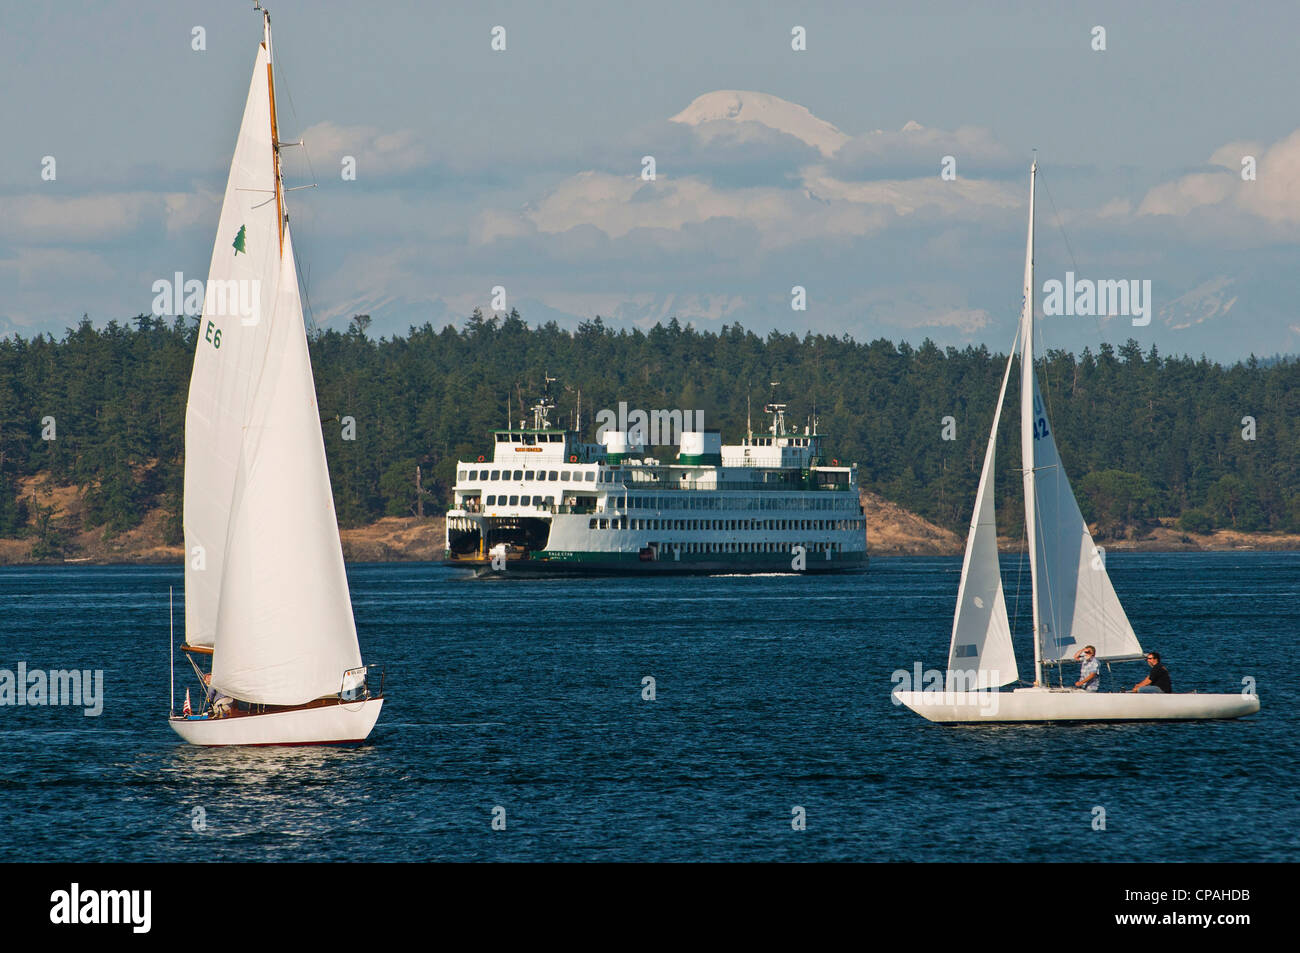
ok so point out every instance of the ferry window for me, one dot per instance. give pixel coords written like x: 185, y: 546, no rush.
x: 591, y: 476
x: 564, y: 475
x: 528, y: 474
x: 591, y: 523
x: 553, y: 475
x: 514, y: 501
x: 529, y: 439
x: 491, y: 501
x: 519, y: 474
x: 604, y: 524
x: 503, y: 438
x: 460, y: 475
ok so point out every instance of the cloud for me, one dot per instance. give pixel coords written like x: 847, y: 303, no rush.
x: 905, y: 196
x: 891, y: 154
x: 1274, y: 195
x: 1191, y: 191
x: 37, y: 267
x: 40, y: 219
x: 377, y: 153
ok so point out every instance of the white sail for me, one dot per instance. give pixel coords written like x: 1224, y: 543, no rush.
x: 228, y: 353
x: 285, y: 633
x: 1073, y: 601
x: 1077, y: 605
x: 981, y: 654
x: 264, y: 579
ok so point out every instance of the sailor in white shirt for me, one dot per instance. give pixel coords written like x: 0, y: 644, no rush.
x: 1089, y: 669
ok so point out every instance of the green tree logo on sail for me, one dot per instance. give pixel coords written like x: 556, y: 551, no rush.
x: 239, y: 242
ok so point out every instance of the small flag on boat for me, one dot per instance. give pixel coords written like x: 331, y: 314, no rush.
x: 188, y: 710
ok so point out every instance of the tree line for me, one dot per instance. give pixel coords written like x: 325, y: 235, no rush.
x: 1141, y: 435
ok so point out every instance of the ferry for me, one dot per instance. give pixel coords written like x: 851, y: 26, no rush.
x: 548, y: 503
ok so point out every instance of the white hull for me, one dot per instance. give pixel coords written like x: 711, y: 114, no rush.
x: 330, y: 724
x: 1049, y: 704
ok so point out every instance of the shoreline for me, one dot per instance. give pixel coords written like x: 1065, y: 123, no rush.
x: 891, y: 531
x: 410, y: 540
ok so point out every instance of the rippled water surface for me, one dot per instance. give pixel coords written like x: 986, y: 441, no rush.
x: 772, y: 692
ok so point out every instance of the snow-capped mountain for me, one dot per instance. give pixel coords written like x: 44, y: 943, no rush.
x: 737, y: 106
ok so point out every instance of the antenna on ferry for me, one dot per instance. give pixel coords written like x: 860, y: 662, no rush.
x: 749, y: 418
x: 777, y: 411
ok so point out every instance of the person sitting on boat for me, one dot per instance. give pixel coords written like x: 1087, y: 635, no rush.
x: 1089, y: 669
x: 220, y: 704
x: 1157, y: 679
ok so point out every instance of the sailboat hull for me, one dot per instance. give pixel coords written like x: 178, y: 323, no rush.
x: 345, y: 723
x: 1048, y: 704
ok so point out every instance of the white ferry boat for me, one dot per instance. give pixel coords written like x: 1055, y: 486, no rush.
x: 548, y: 503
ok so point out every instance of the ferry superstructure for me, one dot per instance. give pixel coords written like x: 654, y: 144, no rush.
x: 549, y: 503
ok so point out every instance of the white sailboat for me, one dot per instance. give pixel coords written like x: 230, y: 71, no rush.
x: 266, y: 593
x: 1074, y: 603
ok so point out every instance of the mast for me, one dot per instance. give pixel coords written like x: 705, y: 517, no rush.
x: 1027, y: 424
x: 275, y: 132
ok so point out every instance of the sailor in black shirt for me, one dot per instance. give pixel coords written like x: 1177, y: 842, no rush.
x: 1157, y: 679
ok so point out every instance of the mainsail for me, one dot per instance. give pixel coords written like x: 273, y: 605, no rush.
x: 1077, y: 605
x: 981, y: 654
x: 1073, y: 600
x: 265, y: 583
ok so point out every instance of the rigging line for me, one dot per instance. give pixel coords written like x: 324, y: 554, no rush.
x: 283, y: 76
x: 1020, y: 572
x: 1060, y: 224
x: 288, y: 95
x: 306, y: 295
x: 1066, y: 238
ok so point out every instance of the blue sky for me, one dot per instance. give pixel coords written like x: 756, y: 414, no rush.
x: 477, y: 168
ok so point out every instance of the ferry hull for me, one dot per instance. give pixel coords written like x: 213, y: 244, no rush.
x: 1046, y: 705
x: 630, y: 564
x: 345, y: 723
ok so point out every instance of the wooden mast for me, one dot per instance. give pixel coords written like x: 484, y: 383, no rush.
x: 275, y: 132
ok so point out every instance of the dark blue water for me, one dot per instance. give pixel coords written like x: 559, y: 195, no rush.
x: 772, y: 692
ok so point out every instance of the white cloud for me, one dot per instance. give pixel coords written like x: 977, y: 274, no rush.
x: 376, y: 152
x: 38, y: 219
x: 1274, y: 195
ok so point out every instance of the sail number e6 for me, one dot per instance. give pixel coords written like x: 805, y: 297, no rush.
x: 212, y: 334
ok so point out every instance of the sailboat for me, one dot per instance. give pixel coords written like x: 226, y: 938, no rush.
x: 1074, y: 603
x: 266, y: 592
